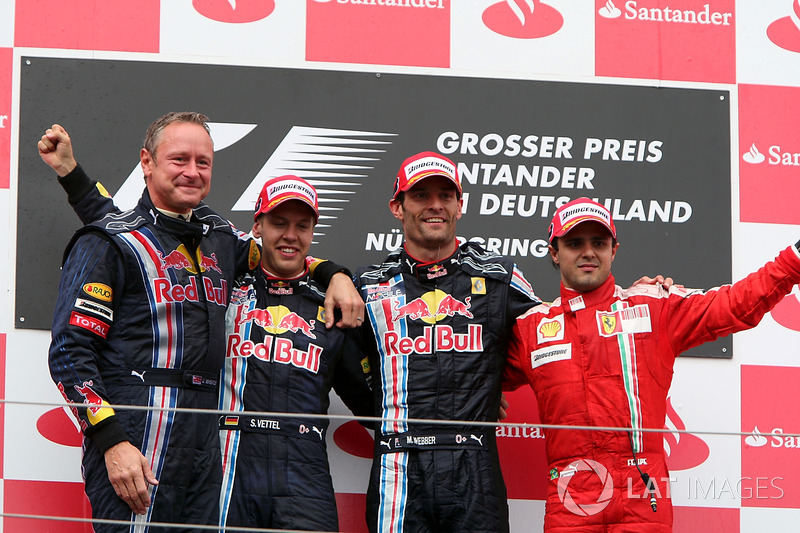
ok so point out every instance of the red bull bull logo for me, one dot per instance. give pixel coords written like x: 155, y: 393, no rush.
x: 294, y: 323
x: 177, y: 260
x: 73, y: 410
x: 181, y: 259
x: 99, y: 409
x: 450, y: 306
x: 279, y: 319
x: 432, y: 307
x: 209, y: 262
x: 261, y: 317
x: 414, y: 309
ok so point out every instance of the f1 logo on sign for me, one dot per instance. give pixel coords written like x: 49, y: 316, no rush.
x: 313, y: 143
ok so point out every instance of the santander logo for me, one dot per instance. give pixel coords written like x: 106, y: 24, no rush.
x: 787, y: 313
x: 234, y: 11
x: 776, y: 155
x: 610, y: 11
x: 684, y: 450
x: 352, y: 438
x: 523, y: 19
x: 755, y: 439
x: 633, y: 11
x: 58, y: 425
x: 785, y: 32
x: 753, y: 156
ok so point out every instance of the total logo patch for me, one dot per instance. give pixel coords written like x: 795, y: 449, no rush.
x: 550, y: 330
x: 98, y: 327
x: 99, y: 291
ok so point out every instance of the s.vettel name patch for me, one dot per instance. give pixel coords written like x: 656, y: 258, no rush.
x: 634, y: 319
x: 550, y: 354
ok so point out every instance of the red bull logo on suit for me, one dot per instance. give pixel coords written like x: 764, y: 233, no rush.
x: 279, y: 319
x: 276, y: 320
x: 431, y: 308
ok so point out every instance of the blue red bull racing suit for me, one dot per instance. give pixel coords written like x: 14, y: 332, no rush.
x: 604, y: 358
x: 281, y: 359
x: 140, y: 320
x: 438, y: 334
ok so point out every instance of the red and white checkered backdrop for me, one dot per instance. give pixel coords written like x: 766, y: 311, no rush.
x: 746, y: 51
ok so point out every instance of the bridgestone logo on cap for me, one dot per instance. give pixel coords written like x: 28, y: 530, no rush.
x: 292, y: 187
x: 429, y: 164
x: 583, y: 210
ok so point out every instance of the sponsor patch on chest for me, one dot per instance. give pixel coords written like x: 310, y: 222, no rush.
x: 626, y: 321
x: 550, y: 330
x: 550, y: 354
x: 374, y: 293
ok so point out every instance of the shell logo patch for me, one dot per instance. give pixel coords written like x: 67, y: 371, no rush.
x: 550, y: 330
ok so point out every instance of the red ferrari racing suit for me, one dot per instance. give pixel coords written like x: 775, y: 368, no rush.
x: 604, y: 359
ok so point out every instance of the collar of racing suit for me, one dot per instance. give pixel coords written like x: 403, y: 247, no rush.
x: 190, y: 232
x: 275, y: 285
x: 575, y: 301
x: 428, y: 270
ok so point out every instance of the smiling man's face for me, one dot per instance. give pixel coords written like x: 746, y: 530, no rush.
x: 429, y: 212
